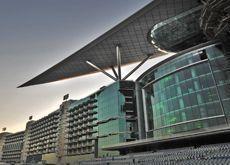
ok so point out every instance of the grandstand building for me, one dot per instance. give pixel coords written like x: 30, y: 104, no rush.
x: 12, y: 148
x: 186, y: 93
x: 106, y: 117
x: 43, y: 137
x: 2, y: 142
x: 79, y: 129
x: 181, y: 102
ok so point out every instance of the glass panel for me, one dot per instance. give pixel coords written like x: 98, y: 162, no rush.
x: 185, y: 96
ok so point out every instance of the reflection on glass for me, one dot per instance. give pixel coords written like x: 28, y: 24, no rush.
x: 190, y: 97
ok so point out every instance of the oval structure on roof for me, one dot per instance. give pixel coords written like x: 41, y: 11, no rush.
x: 178, y: 33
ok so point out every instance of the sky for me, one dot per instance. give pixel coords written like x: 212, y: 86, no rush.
x: 35, y: 35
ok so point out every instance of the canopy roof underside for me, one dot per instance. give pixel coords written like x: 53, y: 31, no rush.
x: 131, y: 35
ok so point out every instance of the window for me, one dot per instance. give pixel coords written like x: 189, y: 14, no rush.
x: 203, y: 55
x: 181, y: 102
x: 199, y: 99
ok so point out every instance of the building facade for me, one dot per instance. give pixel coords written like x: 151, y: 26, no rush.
x: 43, y: 135
x: 12, y: 148
x: 186, y: 93
x: 79, y: 129
x: 106, y: 117
x: 2, y: 142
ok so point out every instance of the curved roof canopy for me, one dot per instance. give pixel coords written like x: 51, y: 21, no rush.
x: 131, y: 35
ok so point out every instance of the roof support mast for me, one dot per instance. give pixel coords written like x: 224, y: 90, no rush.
x: 101, y: 70
x: 118, y: 75
x: 137, y: 67
x: 118, y: 61
x: 114, y: 72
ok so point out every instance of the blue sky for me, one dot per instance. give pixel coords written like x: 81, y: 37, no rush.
x: 35, y: 35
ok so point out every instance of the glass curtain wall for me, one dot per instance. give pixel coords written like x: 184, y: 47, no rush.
x: 111, y: 118
x: 187, y: 94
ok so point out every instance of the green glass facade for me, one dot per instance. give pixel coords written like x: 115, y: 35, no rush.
x: 187, y: 93
x: 110, y: 102
x: 104, y: 118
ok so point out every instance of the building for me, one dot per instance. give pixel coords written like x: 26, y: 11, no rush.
x: 183, y: 106
x: 106, y: 117
x: 2, y: 142
x: 182, y: 101
x: 12, y: 148
x: 186, y: 93
x: 183, y: 97
x: 43, y: 136
x: 79, y: 129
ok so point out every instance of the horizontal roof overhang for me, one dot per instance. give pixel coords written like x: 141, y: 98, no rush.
x: 131, y: 35
x: 192, y: 138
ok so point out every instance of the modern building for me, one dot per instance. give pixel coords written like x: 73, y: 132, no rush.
x: 186, y: 93
x: 2, y: 142
x: 43, y: 136
x: 79, y: 129
x: 12, y: 148
x: 106, y: 117
x: 183, y: 101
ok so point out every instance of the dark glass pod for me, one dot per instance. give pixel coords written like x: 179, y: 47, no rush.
x: 179, y: 32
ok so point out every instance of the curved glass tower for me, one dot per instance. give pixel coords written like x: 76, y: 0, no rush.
x: 187, y: 93
x: 178, y: 33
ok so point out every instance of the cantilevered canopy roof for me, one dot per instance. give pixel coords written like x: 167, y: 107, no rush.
x: 131, y: 35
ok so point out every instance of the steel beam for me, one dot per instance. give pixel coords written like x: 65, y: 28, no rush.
x: 114, y: 72
x: 137, y: 67
x: 101, y: 70
x: 118, y: 61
